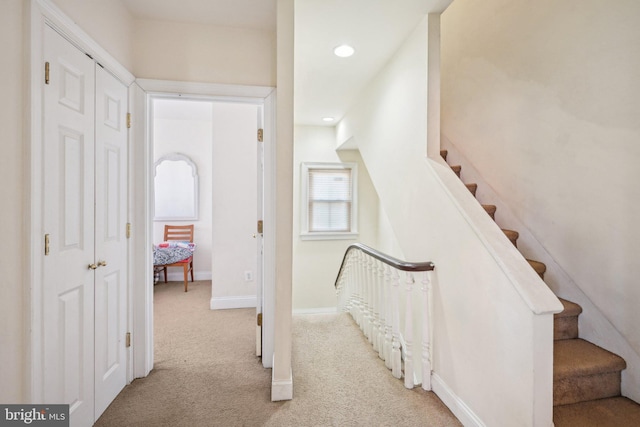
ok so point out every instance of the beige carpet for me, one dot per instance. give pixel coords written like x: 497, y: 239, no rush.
x: 206, y: 374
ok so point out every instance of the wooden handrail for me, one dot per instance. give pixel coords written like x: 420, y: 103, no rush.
x: 387, y: 259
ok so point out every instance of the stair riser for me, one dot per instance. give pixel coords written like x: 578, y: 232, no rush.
x: 565, y: 328
x: 582, y: 389
x: 472, y: 188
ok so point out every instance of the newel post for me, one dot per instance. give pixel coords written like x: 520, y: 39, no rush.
x: 408, y: 335
x: 426, y: 331
x: 396, y: 357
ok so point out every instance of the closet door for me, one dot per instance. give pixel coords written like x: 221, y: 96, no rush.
x: 111, y: 244
x: 85, y: 204
x: 68, y: 281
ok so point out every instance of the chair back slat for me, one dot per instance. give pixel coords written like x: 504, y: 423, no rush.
x: 178, y: 232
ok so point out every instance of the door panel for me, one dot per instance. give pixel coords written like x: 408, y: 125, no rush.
x: 111, y: 244
x: 68, y: 140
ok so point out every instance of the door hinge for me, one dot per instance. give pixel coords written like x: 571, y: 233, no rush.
x: 128, y: 340
x: 128, y: 230
x: 46, y: 244
x: 260, y: 135
x: 259, y: 319
x: 46, y: 73
x: 260, y: 226
x: 128, y: 120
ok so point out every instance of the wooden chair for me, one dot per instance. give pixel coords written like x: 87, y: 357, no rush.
x: 183, y: 233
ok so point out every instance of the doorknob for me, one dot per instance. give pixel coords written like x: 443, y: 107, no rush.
x: 102, y: 263
x: 92, y: 266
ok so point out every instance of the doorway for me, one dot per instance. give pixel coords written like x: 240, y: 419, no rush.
x: 220, y: 135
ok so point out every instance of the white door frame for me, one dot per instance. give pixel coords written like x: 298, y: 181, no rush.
x: 41, y: 13
x: 142, y: 306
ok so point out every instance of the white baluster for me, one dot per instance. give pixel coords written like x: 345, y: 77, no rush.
x: 375, y: 297
x: 366, y: 317
x: 426, y: 329
x: 355, y: 273
x: 396, y: 356
x: 388, y: 329
x: 408, y: 335
x: 370, y: 287
x: 381, y: 310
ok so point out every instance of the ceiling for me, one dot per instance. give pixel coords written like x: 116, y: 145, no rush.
x: 325, y: 85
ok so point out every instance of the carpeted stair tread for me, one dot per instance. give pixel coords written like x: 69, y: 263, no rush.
x: 565, y: 323
x: 578, y: 357
x: 491, y: 210
x: 611, y: 412
x: 539, y: 267
x: 472, y: 188
x: 456, y: 169
x: 570, y: 309
x: 512, y: 235
x: 443, y: 154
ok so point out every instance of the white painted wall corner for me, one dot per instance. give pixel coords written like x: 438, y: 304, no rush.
x: 282, y: 389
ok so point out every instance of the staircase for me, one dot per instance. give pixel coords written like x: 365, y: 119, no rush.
x: 586, y: 378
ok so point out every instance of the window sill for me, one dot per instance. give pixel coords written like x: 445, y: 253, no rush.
x: 329, y: 236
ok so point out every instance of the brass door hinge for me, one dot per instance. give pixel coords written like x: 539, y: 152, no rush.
x: 128, y: 340
x: 260, y: 226
x: 128, y: 230
x: 128, y: 120
x: 46, y: 244
x: 259, y: 319
x: 46, y: 73
x: 260, y: 135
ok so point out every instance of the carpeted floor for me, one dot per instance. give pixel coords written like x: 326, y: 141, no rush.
x: 206, y: 374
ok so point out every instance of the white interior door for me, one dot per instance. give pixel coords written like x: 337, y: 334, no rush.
x: 111, y: 243
x: 69, y: 225
x: 85, y: 205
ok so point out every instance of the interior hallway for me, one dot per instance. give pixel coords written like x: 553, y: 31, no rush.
x: 206, y: 374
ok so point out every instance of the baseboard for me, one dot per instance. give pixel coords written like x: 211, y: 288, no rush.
x: 223, y: 303
x: 282, y: 390
x: 319, y: 310
x: 460, y: 409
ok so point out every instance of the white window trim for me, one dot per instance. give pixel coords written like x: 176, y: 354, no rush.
x: 305, y: 234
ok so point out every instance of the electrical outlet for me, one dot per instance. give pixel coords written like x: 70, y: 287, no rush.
x: 248, y: 276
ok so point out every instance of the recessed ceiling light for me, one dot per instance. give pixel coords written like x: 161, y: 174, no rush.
x: 344, y: 51
x: 328, y: 119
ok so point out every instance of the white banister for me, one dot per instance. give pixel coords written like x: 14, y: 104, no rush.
x: 368, y: 287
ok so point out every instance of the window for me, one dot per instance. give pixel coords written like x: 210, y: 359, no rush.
x: 329, y: 201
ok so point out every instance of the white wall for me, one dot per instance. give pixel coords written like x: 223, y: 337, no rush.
x: 542, y: 97
x: 234, y: 215
x: 316, y: 262
x: 108, y: 22
x: 13, y: 251
x: 186, y: 127
x: 204, y: 53
x: 492, y: 314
